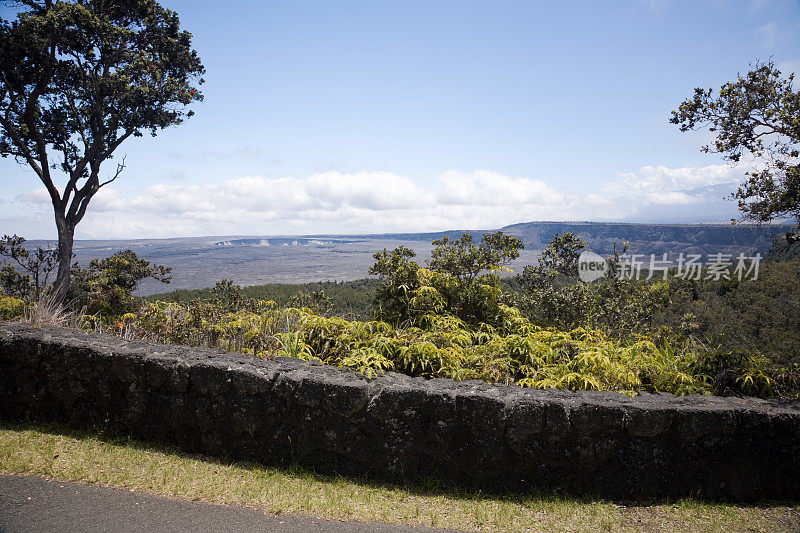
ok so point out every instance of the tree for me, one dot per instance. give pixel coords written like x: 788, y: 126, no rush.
x: 560, y: 257
x: 399, y: 280
x: 227, y: 295
x: 79, y: 78
x: 758, y: 114
x: 463, y: 260
x: 456, y: 281
x: 107, y: 285
x: 553, y: 296
x: 38, y: 266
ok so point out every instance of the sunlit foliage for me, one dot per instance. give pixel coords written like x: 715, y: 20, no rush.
x: 514, y: 351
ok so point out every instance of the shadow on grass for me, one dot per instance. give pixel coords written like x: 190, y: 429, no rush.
x: 426, y: 488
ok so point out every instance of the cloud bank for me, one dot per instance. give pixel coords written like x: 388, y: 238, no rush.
x: 375, y: 202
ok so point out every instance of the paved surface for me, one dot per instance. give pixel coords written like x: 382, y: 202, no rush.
x: 35, y: 504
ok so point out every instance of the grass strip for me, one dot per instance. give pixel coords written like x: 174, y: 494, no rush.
x: 93, y: 457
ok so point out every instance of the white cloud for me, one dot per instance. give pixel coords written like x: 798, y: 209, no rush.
x: 670, y: 198
x: 370, y: 190
x: 769, y: 34
x: 655, y: 179
x: 366, y: 202
x: 34, y: 196
x: 484, y: 187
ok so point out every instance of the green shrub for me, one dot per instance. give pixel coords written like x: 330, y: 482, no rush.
x: 460, y: 280
x: 106, y: 286
x: 11, y: 308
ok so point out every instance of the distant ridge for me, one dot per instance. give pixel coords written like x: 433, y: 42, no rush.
x: 701, y: 237
x: 600, y: 236
x: 654, y: 238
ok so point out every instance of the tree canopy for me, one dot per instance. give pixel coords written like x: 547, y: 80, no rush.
x: 79, y: 78
x: 758, y: 114
x: 455, y: 282
x: 465, y: 260
x: 560, y: 256
x: 107, y: 284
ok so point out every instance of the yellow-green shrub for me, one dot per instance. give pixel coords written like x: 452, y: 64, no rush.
x: 10, y: 307
x: 512, y: 352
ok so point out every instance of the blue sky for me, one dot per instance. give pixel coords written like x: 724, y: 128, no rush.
x: 327, y: 117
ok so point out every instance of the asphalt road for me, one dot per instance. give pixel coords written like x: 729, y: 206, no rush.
x: 31, y: 503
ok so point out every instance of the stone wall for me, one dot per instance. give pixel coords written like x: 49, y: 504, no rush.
x: 399, y: 428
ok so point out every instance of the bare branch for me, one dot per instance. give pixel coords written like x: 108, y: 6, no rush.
x: 120, y: 168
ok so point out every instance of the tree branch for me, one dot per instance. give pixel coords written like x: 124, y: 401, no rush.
x: 24, y: 151
x: 120, y: 168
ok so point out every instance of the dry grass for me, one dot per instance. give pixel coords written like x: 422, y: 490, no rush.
x: 48, y: 313
x: 90, y: 457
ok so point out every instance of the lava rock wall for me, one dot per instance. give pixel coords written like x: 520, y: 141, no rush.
x: 398, y: 428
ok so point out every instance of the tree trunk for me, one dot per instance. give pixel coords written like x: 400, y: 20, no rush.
x: 66, y: 234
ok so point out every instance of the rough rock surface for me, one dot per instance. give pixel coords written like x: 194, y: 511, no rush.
x: 396, y: 428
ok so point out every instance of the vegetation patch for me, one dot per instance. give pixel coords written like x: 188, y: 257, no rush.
x: 348, y: 299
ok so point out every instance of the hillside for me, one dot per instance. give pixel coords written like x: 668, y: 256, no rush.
x: 654, y: 238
